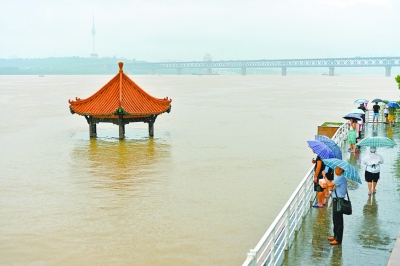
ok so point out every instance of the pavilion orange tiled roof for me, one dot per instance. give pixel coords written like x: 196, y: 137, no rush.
x: 120, y: 94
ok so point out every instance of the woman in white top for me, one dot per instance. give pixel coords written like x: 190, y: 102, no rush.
x: 372, y: 170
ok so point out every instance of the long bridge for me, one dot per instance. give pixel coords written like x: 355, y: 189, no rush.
x: 284, y: 64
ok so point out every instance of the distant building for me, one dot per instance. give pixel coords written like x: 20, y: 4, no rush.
x: 207, y: 57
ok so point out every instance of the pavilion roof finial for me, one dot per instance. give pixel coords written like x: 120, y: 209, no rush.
x: 121, y: 64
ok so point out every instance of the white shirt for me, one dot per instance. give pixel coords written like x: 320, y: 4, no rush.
x: 372, y: 159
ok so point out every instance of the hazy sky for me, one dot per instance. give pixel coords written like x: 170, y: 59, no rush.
x: 161, y: 30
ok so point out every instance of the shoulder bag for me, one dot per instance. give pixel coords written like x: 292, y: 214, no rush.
x: 343, y: 205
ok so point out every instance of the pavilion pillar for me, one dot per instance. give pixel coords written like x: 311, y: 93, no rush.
x: 151, y: 121
x: 243, y: 72
x: 92, y: 128
x: 388, y: 71
x: 179, y: 71
x: 121, y: 126
x: 284, y: 70
x: 208, y: 71
x: 151, y: 129
x: 331, y: 71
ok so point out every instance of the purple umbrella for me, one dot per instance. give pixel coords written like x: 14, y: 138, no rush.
x: 321, y: 149
x: 331, y: 145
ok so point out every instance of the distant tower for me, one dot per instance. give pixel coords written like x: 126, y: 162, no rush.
x: 94, y: 54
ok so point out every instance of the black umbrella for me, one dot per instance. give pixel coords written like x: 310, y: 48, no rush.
x: 352, y: 116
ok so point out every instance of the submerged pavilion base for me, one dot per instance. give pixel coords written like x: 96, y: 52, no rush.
x: 121, y: 122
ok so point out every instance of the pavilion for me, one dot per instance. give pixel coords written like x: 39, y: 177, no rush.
x: 121, y: 101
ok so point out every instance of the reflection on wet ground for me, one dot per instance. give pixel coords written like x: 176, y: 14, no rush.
x: 371, y: 231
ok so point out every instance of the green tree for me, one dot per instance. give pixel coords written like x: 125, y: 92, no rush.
x: 397, y: 78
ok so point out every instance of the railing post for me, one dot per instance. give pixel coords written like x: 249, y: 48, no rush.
x: 287, y: 228
x: 305, y: 197
x: 300, y: 204
x: 252, y: 255
x: 273, y: 246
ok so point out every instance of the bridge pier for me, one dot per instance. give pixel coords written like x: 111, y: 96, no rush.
x: 388, y: 69
x: 179, y: 71
x: 284, y: 70
x: 208, y: 71
x: 243, y: 71
x: 331, y: 71
x: 152, y: 72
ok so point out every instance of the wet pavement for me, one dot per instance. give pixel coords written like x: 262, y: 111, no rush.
x: 370, y: 233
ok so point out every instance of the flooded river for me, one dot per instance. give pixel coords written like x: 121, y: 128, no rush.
x: 203, y: 191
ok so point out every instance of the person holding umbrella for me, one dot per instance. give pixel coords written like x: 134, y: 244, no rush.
x: 392, y: 106
x: 352, y: 135
x: 318, y: 169
x: 372, y: 171
x: 376, y: 109
x: 343, y: 171
x: 340, y: 185
x: 362, y: 107
x: 391, y: 116
x: 386, y: 113
x: 323, y: 152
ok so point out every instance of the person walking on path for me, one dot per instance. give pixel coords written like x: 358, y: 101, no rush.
x: 372, y: 170
x: 376, y: 109
x: 351, y: 135
x: 386, y: 113
x: 340, y: 190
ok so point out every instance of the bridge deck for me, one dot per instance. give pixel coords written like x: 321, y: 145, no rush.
x: 371, y: 231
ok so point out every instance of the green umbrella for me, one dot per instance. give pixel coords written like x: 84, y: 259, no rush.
x: 385, y: 101
x: 377, y: 100
x: 377, y: 142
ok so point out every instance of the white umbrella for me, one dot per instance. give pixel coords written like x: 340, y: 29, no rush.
x: 357, y: 111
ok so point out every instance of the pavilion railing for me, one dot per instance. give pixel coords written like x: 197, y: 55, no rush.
x: 270, y: 249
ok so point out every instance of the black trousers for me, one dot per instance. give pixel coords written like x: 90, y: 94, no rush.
x: 338, y: 225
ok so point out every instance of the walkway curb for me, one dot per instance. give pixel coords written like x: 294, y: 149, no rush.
x: 395, y: 255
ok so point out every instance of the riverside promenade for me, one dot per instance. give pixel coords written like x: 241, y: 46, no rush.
x: 370, y: 233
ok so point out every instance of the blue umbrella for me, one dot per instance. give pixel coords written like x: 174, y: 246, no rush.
x: 349, y: 171
x: 351, y: 115
x: 331, y: 145
x: 321, y: 149
x: 393, y: 105
x: 360, y: 101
